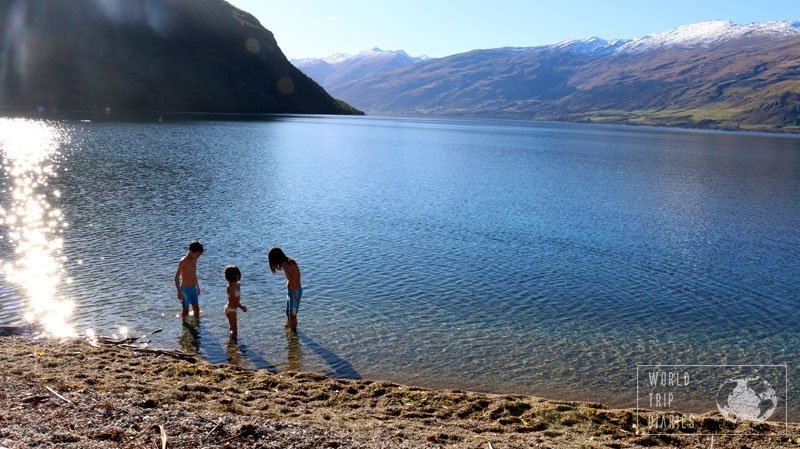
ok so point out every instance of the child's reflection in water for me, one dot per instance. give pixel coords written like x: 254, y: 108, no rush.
x: 294, y: 351
x: 235, y: 353
x: 189, y: 340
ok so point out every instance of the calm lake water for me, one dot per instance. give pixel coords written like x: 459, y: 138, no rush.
x: 548, y: 259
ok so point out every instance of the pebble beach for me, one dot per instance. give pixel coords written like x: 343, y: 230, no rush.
x: 77, y: 394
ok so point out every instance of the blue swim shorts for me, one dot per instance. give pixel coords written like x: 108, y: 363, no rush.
x: 189, y: 296
x: 293, y: 301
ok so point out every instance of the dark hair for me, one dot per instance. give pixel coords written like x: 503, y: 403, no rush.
x: 276, y: 259
x: 196, y: 247
x: 232, y: 273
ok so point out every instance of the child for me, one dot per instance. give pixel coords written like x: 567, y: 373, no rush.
x: 186, y: 280
x: 233, y: 276
x: 279, y: 261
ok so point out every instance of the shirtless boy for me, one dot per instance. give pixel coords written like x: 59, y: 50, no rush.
x: 186, y: 280
x: 294, y: 291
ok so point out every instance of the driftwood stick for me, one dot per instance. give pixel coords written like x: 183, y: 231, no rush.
x: 126, y: 343
x: 174, y: 353
x: 55, y: 393
x: 116, y: 341
x: 212, y: 430
x: 163, y: 437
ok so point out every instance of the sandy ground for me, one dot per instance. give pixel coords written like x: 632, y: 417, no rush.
x: 69, y: 394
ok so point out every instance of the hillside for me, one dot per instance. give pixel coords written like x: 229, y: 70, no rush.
x: 711, y: 75
x: 340, y: 69
x: 155, y: 55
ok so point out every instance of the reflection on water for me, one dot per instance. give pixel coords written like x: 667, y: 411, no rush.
x: 294, y: 352
x: 33, y: 223
x: 235, y: 353
x: 503, y: 256
x: 189, y: 340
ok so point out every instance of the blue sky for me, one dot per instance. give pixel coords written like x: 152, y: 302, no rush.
x: 314, y: 28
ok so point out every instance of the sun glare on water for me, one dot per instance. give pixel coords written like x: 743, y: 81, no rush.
x: 33, y: 225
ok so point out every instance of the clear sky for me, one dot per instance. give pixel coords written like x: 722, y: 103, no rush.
x: 315, y: 28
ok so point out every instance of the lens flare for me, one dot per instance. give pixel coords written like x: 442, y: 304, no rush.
x: 285, y: 85
x: 252, y: 45
x: 34, y: 226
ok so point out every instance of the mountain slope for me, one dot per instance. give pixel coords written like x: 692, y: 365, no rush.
x: 340, y: 69
x: 714, y: 74
x: 739, y: 83
x: 154, y: 55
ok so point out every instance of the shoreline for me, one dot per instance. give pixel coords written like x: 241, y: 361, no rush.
x: 73, y: 394
x: 169, y: 116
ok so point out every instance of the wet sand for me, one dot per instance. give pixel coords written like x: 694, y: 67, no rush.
x: 70, y: 394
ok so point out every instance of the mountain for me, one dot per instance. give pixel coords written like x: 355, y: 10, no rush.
x: 148, y: 55
x: 713, y: 74
x: 340, y: 69
x: 703, y: 34
x: 709, y: 33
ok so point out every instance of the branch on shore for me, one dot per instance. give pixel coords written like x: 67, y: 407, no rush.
x: 56, y: 394
x: 116, y: 341
x: 163, y: 437
x: 126, y: 343
x: 174, y: 353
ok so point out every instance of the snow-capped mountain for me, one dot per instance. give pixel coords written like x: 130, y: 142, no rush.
x: 708, y: 33
x: 373, y: 53
x: 339, y: 69
x: 343, y: 68
x: 591, y: 45
x: 701, y: 34
x: 710, y: 74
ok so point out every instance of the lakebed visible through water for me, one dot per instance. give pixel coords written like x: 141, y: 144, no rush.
x: 550, y: 259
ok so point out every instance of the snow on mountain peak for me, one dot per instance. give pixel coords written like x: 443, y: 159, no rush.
x: 581, y: 45
x: 372, y: 53
x: 710, y: 32
x: 591, y: 45
x: 694, y: 35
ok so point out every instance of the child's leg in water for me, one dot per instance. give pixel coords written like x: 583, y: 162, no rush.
x: 234, y: 331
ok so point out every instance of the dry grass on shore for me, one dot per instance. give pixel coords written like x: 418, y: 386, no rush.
x: 73, y: 395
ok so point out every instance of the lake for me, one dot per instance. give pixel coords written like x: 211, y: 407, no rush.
x: 538, y: 258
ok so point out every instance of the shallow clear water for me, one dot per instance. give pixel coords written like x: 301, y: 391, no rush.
x: 548, y: 259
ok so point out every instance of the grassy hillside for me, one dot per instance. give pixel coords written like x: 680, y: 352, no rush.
x: 748, y: 84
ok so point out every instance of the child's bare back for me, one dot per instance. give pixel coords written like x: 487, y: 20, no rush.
x: 186, y: 280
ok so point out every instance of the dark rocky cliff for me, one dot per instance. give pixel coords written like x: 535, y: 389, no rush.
x: 148, y: 55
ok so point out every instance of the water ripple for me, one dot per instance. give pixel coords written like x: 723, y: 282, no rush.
x: 501, y: 257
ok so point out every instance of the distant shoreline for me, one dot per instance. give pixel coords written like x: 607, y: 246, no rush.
x: 703, y: 126
x: 154, y: 116
x: 71, y: 394
x: 149, y: 116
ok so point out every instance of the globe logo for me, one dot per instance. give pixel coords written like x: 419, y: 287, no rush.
x: 746, y: 398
